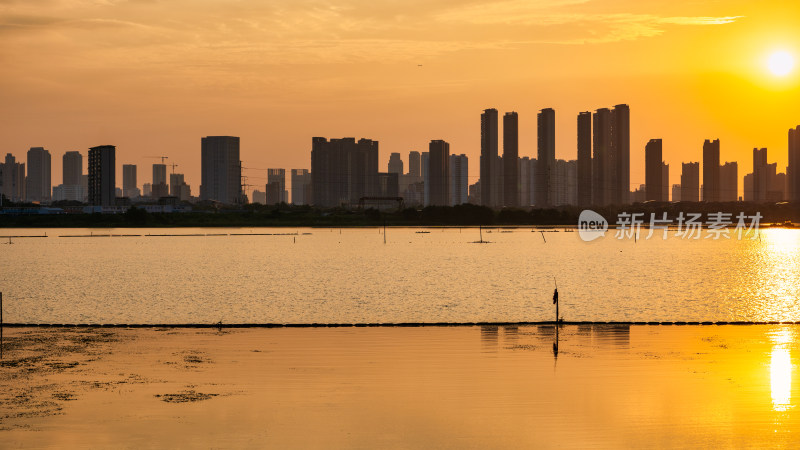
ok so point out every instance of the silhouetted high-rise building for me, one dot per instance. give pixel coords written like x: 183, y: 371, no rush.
x: 621, y: 154
x: 690, y: 182
x: 653, y: 170
x: 72, y: 168
x: 159, y: 174
x: 565, y: 183
x: 676, y: 193
x: 510, y: 159
x: 664, y: 182
x: 414, y: 169
x: 301, y: 187
x: 729, y: 182
x: 602, y: 174
x: 12, y: 179
x: 259, y: 197
x: 38, y: 188
x: 278, y: 194
x: 777, y: 185
x: 178, y: 187
x: 129, y: 184
x: 159, y: 185
x: 525, y: 176
x: 395, y: 164
x: 584, y: 158
x: 439, y: 173
x: 220, y: 170
x: 546, y: 160
x: 760, y: 175
x: 426, y: 185
x: 711, y: 171
x: 176, y: 181
x: 489, y: 171
x: 343, y: 170
x: 459, y: 179
x: 747, y: 187
x: 793, y: 169
x: 102, y: 175
x: 388, y: 184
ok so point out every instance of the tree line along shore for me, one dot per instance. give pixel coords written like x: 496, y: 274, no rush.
x: 284, y: 215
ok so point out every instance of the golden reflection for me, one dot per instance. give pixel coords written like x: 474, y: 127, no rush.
x: 780, y: 240
x: 777, y: 258
x: 780, y: 369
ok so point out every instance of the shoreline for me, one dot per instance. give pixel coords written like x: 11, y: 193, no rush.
x: 223, y: 326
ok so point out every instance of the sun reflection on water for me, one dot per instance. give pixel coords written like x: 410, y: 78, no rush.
x: 780, y: 370
x: 777, y: 265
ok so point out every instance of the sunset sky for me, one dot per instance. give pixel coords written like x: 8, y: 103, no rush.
x: 152, y: 77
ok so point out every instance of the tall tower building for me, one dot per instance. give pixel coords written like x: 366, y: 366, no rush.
x: 160, y: 186
x: 761, y: 175
x: 601, y: 158
x: 178, y: 187
x: 38, y: 187
x: 653, y: 170
x: 729, y: 182
x: 664, y: 182
x: 585, y: 159
x: 301, y: 187
x: 793, y: 169
x: 459, y: 181
x: 276, y: 186
x: 395, y: 164
x: 511, y: 159
x: 102, y: 175
x: 711, y: 170
x: 489, y: 175
x: 159, y: 174
x: 439, y: 173
x: 414, y: 169
x: 426, y: 182
x: 690, y: 182
x: 546, y: 157
x: 221, y: 169
x: 12, y: 179
x: 129, y: 184
x: 72, y: 168
x: 621, y: 153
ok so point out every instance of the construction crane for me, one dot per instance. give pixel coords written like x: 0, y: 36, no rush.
x: 173, y: 167
x: 156, y: 157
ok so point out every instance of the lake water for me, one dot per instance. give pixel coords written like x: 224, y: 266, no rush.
x: 610, y: 386
x: 418, y: 275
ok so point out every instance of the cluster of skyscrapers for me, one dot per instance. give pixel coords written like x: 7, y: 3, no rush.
x: 345, y: 172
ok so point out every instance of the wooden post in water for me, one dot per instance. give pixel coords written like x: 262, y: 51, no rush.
x: 1, y: 325
x: 384, y: 231
x: 555, y: 299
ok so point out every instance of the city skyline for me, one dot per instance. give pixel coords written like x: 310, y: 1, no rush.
x: 416, y: 88
x: 603, y: 135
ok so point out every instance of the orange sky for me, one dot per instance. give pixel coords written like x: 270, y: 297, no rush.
x: 152, y: 77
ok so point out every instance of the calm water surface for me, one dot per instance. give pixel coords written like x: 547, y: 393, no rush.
x: 350, y: 275
x: 432, y: 387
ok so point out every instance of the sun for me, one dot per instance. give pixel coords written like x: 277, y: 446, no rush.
x: 780, y: 63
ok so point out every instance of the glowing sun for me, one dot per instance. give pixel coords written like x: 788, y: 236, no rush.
x: 780, y: 63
